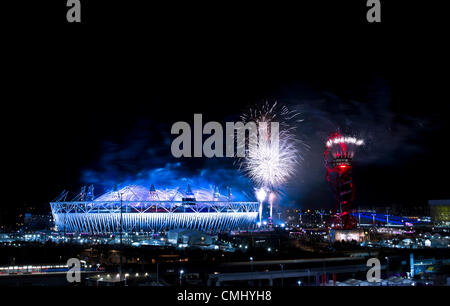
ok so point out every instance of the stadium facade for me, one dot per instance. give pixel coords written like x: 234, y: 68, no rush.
x: 141, y: 209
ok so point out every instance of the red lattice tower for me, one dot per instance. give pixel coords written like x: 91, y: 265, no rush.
x: 338, y: 157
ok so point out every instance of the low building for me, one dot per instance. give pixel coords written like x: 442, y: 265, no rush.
x: 440, y: 211
x: 357, y: 235
x: 37, y: 222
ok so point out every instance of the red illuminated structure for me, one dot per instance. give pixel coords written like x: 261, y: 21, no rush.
x: 338, y: 156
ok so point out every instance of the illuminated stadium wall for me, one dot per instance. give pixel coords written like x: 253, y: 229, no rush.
x: 155, y: 210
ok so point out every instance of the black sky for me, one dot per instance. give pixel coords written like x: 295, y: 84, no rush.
x: 74, y: 96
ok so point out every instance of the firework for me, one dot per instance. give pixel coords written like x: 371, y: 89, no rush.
x: 270, y: 163
x: 338, y: 146
x: 347, y: 140
x: 261, y: 196
x: 272, y: 197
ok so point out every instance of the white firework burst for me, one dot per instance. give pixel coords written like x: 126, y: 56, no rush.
x: 270, y: 163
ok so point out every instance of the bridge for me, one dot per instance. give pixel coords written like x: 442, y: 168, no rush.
x: 269, y: 276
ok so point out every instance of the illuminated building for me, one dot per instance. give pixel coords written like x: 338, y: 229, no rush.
x: 347, y: 235
x: 440, y: 211
x: 141, y: 209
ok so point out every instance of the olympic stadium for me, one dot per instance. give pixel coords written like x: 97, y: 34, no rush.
x: 141, y: 209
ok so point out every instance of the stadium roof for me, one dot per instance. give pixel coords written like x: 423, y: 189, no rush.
x: 141, y: 193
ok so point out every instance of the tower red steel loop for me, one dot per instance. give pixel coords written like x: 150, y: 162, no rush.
x: 338, y: 157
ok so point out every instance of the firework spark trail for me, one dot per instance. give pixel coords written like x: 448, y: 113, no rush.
x: 270, y: 165
x: 270, y: 161
x: 261, y: 196
x: 272, y: 197
x: 267, y: 163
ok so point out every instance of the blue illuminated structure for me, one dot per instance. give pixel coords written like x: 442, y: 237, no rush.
x: 370, y: 218
x: 151, y: 210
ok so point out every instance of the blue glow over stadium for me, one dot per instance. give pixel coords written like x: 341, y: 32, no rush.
x: 148, y: 209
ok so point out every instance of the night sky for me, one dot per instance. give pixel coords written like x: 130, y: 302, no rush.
x: 95, y: 104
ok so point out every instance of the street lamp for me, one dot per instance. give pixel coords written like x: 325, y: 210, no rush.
x: 282, y: 275
x: 309, y: 274
x: 157, y: 273
x: 120, y: 234
x: 251, y: 267
x: 65, y: 215
x: 181, y: 276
